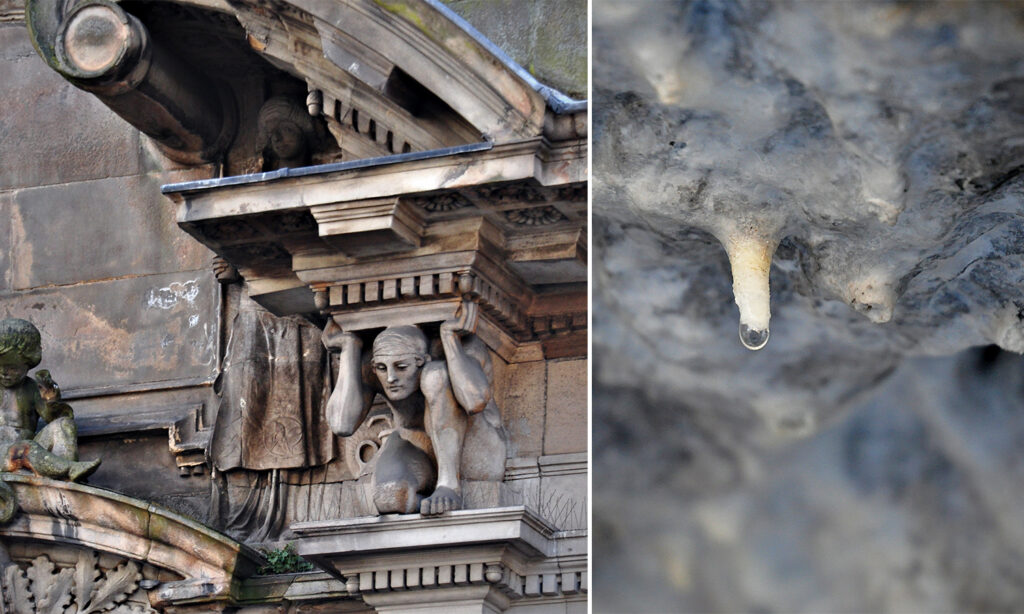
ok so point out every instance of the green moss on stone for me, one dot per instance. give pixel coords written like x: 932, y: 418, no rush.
x: 405, y: 12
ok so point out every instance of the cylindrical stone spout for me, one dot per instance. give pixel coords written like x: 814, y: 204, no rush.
x: 100, y: 48
x: 751, y: 258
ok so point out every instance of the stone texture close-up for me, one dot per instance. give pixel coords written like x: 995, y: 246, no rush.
x: 852, y: 173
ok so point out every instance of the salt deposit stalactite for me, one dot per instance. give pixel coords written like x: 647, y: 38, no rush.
x: 750, y: 257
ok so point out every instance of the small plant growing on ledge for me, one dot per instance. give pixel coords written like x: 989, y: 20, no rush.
x: 284, y: 560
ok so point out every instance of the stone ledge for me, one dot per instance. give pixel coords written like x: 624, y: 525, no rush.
x: 483, y: 560
x: 514, y: 526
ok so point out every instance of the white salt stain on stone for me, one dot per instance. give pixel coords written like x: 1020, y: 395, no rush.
x: 206, y: 345
x: 170, y: 296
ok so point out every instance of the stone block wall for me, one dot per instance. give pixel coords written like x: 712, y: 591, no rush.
x: 547, y: 468
x: 90, y: 253
x: 132, y: 317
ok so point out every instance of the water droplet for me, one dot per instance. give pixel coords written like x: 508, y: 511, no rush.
x: 752, y: 338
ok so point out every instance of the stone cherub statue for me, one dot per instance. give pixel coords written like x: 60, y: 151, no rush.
x: 446, y: 423
x: 53, y: 451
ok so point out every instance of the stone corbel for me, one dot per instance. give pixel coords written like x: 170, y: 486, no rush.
x: 102, y: 49
x: 371, y: 227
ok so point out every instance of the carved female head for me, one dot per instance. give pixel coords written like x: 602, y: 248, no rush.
x: 286, y: 129
x: 399, y: 353
x: 20, y: 350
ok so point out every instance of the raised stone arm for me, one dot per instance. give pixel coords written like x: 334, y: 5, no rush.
x: 351, y: 398
x: 52, y: 407
x: 470, y: 384
x: 60, y: 435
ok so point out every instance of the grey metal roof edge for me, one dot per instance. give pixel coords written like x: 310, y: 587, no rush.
x: 320, y: 169
x: 559, y: 102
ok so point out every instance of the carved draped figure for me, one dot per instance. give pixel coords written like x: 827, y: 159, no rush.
x: 273, y: 394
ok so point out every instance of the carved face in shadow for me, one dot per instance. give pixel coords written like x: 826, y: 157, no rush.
x: 399, y: 375
x: 287, y: 140
x: 12, y: 370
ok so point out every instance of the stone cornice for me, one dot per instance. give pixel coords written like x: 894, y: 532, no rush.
x: 361, y: 536
x: 406, y: 238
x: 497, y: 555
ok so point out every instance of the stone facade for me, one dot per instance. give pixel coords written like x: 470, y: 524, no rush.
x: 141, y: 329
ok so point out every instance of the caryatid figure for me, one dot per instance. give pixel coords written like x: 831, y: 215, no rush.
x: 434, y: 403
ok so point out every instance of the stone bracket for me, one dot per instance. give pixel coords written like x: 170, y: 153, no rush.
x: 370, y: 227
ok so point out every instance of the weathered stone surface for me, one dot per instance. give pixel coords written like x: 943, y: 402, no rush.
x: 524, y: 388
x: 63, y: 234
x: 154, y: 480
x: 125, y: 331
x: 546, y: 37
x: 14, y: 44
x: 879, y: 145
x: 566, y: 407
x: 12, y: 10
x: 5, y: 241
x: 37, y: 150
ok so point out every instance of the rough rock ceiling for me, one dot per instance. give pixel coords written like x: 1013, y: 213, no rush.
x: 879, y: 147
x: 875, y: 151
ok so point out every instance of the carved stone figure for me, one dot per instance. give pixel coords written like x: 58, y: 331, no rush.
x: 446, y: 423
x: 287, y: 133
x: 53, y: 451
x: 273, y: 392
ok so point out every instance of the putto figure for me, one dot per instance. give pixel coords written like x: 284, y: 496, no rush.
x: 53, y: 451
x: 441, y: 408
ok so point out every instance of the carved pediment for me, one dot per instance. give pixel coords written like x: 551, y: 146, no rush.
x: 381, y: 78
x: 78, y: 546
